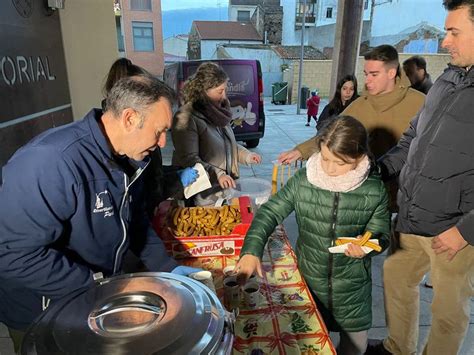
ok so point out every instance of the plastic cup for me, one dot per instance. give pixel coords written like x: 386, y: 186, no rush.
x: 228, y: 270
x: 231, y: 292
x: 251, y: 294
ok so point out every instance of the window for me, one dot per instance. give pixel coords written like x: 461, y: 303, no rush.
x: 366, y: 4
x: 243, y: 16
x: 329, y: 12
x: 140, y: 5
x: 308, y: 12
x: 143, y: 36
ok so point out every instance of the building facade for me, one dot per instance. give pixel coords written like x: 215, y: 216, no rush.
x: 139, y: 33
x: 206, y: 36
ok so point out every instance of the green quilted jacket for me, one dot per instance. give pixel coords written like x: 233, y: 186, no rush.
x: 342, y: 285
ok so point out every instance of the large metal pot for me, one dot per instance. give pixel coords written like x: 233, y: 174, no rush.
x: 143, y: 313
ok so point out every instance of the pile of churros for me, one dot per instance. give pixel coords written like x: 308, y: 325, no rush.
x: 203, y: 221
x: 364, y: 241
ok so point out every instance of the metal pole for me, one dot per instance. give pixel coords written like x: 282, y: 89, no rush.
x: 349, y: 22
x: 300, y: 74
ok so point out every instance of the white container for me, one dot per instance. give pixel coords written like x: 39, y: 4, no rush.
x: 259, y: 190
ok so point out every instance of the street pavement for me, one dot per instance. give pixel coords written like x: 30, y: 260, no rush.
x: 284, y: 129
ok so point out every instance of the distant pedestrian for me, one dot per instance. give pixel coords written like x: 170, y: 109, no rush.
x: 415, y: 69
x: 313, y: 107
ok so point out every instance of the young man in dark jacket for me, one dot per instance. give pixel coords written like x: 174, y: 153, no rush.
x: 72, y: 201
x: 435, y: 163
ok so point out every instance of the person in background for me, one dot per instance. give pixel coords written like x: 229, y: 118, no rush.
x: 346, y: 92
x: 161, y: 182
x: 338, y: 184
x: 385, y: 107
x: 202, y: 133
x: 72, y: 202
x: 313, y: 107
x: 434, y: 161
x: 415, y: 69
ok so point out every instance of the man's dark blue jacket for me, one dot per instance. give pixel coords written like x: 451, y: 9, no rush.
x: 67, y: 211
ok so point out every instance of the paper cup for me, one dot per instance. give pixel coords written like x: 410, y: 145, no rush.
x: 204, y: 277
x: 231, y: 292
x: 251, y: 294
x: 229, y: 271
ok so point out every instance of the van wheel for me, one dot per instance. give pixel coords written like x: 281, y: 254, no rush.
x: 252, y: 143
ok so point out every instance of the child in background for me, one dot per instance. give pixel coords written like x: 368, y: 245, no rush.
x: 337, y: 195
x: 312, y: 105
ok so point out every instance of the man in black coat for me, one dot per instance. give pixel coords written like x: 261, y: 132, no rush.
x: 435, y: 163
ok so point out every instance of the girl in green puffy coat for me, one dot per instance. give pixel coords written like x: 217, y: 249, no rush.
x: 337, y: 195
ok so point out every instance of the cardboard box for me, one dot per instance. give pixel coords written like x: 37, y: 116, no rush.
x: 196, y: 246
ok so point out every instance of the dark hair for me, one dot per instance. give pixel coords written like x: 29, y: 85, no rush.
x: 345, y: 137
x: 384, y: 53
x: 137, y: 92
x: 420, y: 62
x: 335, y: 105
x: 121, y: 68
x: 208, y: 75
x: 451, y: 5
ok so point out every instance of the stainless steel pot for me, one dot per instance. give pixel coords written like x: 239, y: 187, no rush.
x: 144, y: 313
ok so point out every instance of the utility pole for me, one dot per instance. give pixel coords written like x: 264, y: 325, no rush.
x: 346, y: 40
x: 300, y: 73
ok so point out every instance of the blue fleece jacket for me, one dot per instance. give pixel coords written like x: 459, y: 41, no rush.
x: 68, y: 210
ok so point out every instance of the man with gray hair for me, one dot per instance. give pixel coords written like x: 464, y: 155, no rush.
x: 72, y: 205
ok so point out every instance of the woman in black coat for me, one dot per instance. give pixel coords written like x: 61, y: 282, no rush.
x: 346, y: 92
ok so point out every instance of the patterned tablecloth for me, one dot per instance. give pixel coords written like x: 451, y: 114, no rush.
x: 286, y: 320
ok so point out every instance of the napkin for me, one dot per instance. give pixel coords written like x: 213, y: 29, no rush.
x: 342, y: 248
x: 202, y: 182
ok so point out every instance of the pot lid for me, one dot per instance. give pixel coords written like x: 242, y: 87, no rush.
x: 144, y: 313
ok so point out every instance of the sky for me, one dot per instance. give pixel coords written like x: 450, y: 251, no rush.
x: 167, y: 5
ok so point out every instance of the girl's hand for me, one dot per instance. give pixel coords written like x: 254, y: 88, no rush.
x: 354, y: 251
x: 289, y: 156
x: 248, y: 265
x: 225, y: 181
x: 253, y: 158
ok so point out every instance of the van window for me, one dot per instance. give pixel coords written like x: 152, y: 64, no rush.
x: 241, y: 80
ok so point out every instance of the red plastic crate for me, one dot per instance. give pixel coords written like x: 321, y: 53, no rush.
x: 195, y: 246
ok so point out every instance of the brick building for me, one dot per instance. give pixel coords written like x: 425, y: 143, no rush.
x: 139, y: 31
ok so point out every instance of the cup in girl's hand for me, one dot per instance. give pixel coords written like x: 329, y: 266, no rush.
x: 251, y: 294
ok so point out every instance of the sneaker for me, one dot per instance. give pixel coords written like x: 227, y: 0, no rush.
x: 375, y: 347
x: 307, y: 124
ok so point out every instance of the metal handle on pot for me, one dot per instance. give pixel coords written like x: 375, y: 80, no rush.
x: 148, y: 308
x: 108, y: 320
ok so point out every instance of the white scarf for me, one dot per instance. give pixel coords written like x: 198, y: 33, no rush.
x: 342, y: 183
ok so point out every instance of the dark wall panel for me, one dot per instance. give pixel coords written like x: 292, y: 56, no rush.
x: 34, y: 93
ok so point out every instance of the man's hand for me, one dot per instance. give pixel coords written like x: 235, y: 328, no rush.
x: 185, y: 270
x: 450, y: 241
x: 188, y: 176
x: 289, y: 156
x: 253, y: 158
x: 226, y: 182
x: 246, y: 266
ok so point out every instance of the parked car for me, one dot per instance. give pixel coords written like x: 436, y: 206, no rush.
x: 244, y: 90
